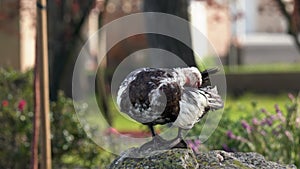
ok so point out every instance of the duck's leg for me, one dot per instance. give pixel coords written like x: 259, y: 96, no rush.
x: 156, y: 143
x: 156, y: 138
x: 152, y: 130
x: 178, y: 142
x: 182, y: 143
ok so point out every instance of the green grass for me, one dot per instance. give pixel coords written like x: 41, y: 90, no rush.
x: 121, y: 123
x: 264, y: 68
x: 238, y: 106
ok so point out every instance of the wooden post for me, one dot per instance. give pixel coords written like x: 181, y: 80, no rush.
x: 44, y: 84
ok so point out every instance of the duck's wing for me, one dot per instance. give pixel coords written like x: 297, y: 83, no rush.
x: 215, y: 101
x: 149, y: 95
x: 195, y: 103
x: 192, y: 107
x: 123, y: 89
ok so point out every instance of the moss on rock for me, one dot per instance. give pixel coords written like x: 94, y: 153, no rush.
x: 175, y: 158
x: 187, y: 159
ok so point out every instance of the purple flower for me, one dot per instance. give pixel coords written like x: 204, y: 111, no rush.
x: 189, y: 143
x: 275, y: 132
x: 269, y: 121
x: 273, y: 117
x: 230, y: 134
x: 278, y: 111
x: 197, y: 142
x: 194, y: 145
x: 22, y: 105
x: 263, y: 122
x: 226, y: 148
x: 265, y: 111
x: 246, y: 126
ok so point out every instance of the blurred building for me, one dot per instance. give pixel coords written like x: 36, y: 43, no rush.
x: 213, y: 21
x: 247, y: 31
x: 17, y: 34
x: 262, y: 32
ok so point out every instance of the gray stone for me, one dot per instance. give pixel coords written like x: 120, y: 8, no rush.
x: 222, y: 159
x: 186, y: 159
x: 162, y: 159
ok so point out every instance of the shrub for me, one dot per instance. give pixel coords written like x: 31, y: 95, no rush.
x: 274, y: 134
x: 70, y: 145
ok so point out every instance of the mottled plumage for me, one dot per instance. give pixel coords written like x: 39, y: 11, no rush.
x: 158, y: 96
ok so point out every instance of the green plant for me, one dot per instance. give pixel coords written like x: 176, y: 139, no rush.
x: 274, y: 134
x: 70, y: 145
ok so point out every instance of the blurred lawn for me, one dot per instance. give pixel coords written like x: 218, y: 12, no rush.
x: 122, y: 122
x: 264, y: 68
x: 235, y: 107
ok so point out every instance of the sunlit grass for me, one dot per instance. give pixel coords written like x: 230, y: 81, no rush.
x: 121, y: 121
x: 235, y: 107
x: 264, y: 68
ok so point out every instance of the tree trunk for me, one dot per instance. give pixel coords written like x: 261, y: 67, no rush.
x: 178, y: 8
x: 101, y: 81
x: 36, y: 118
x: 65, y: 22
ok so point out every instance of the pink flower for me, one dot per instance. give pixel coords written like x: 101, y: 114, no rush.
x: 291, y: 96
x: 241, y: 139
x: 288, y: 135
x: 298, y: 122
x: 264, y: 133
x: 255, y: 121
x: 22, y: 105
x: 5, y: 103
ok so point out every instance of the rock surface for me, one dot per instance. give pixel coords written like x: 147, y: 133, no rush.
x: 222, y: 159
x: 186, y: 159
x: 175, y: 158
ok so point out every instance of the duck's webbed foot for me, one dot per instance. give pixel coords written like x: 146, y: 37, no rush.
x: 157, y: 143
x: 178, y: 143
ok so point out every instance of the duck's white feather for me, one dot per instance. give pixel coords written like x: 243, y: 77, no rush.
x: 192, y: 108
